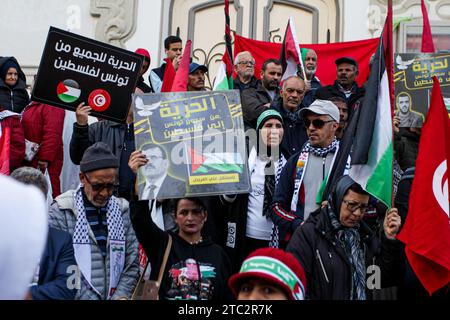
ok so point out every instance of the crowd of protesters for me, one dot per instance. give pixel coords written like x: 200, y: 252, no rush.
x: 276, y: 242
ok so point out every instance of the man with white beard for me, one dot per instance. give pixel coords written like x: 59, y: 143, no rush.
x: 309, y: 57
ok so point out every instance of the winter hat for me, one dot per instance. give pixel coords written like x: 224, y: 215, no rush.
x: 98, y: 156
x: 273, y: 265
x: 145, y: 53
x: 266, y: 115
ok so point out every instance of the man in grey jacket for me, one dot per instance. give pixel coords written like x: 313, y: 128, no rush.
x: 105, y: 246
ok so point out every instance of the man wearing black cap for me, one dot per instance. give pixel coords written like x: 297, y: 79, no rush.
x: 106, y: 249
x: 345, y: 84
x: 196, y: 80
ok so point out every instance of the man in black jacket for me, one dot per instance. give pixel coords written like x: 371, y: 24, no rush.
x: 345, y: 84
x: 244, y: 66
x: 119, y: 137
x: 288, y: 105
x: 256, y: 101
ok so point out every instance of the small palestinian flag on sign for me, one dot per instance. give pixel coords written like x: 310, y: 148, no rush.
x: 210, y: 163
x: 68, y: 91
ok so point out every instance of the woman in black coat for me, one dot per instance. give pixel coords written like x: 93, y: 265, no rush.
x: 341, y: 256
x: 13, y: 89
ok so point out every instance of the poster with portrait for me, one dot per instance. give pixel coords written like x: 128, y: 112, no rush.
x: 413, y: 84
x: 77, y: 69
x: 194, y: 143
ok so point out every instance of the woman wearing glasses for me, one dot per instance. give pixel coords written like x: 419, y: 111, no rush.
x: 343, y: 259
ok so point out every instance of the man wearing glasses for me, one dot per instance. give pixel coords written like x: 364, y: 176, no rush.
x: 288, y: 105
x: 244, y: 66
x: 303, y: 174
x: 337, y: 248
x: 105, y: 246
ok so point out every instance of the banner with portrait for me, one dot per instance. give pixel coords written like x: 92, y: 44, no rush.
x: 194, y: 143
x: 413, y: 84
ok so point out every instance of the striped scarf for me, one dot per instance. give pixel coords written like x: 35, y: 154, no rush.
x: 82, y: 243
x: 350, y: 241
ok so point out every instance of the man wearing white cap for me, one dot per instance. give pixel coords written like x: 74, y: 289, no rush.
x: 304, y: 173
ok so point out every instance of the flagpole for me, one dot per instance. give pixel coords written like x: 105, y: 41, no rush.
x: 390, y: 59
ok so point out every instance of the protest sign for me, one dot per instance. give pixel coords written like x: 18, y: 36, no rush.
x: 77, y: 69
x: 195, y: 144
x: 413, y: 84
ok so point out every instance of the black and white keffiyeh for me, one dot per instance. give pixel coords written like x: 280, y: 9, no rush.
x: 82, y: 243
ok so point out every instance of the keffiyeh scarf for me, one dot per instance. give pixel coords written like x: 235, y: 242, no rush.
x: 116, y: 238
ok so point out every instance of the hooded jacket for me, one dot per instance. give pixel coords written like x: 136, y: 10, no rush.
x: 179, y: 281
x: 13, y: 99
x: 11, y: 121
x: 327, y: 267
x: 43, y: 124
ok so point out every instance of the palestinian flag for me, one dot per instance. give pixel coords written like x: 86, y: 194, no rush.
x: 208, y: 163
x: 372, y: 155
x: 224, y: 79
x: 68, y: 91
x: 290, y: 56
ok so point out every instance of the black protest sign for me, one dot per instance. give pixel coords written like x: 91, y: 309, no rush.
x: 413, y: 84
x: 195, y: 144
x: 77, y: 69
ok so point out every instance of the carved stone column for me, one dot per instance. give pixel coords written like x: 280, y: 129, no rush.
x: 117, y: 20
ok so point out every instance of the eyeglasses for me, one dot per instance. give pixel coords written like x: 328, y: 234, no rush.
x: 317, y: 123
x: 353, y: 206
x: 248, y: 63
x: 97, y: 187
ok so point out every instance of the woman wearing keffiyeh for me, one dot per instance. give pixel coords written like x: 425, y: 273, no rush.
x: 337, y: 249
x: 248, y: 223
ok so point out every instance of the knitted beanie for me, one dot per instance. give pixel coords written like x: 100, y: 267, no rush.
x: 277, y: 267
x: 98, y: 156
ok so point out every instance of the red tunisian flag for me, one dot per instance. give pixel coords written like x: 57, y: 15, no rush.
x: 426, y: 232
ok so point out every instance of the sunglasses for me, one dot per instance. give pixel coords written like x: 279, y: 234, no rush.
x: 97, y: 187
x: 353, y: 206
x: 317, y: 123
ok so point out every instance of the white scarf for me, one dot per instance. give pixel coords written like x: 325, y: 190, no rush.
x: 116, y: 238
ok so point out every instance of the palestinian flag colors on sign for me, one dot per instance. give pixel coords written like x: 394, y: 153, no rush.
x: 68, y: 91
x: 207, y: 163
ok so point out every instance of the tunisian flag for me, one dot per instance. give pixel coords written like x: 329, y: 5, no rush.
x: 327, y: 53
x: 426, y: 232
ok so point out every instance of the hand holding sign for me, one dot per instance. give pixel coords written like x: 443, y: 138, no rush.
x: 82, y: 114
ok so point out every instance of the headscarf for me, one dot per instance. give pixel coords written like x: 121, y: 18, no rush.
x: 5, y: 67
x: 262, y: 119
x: 348, y: 238
x: 11, y: 63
